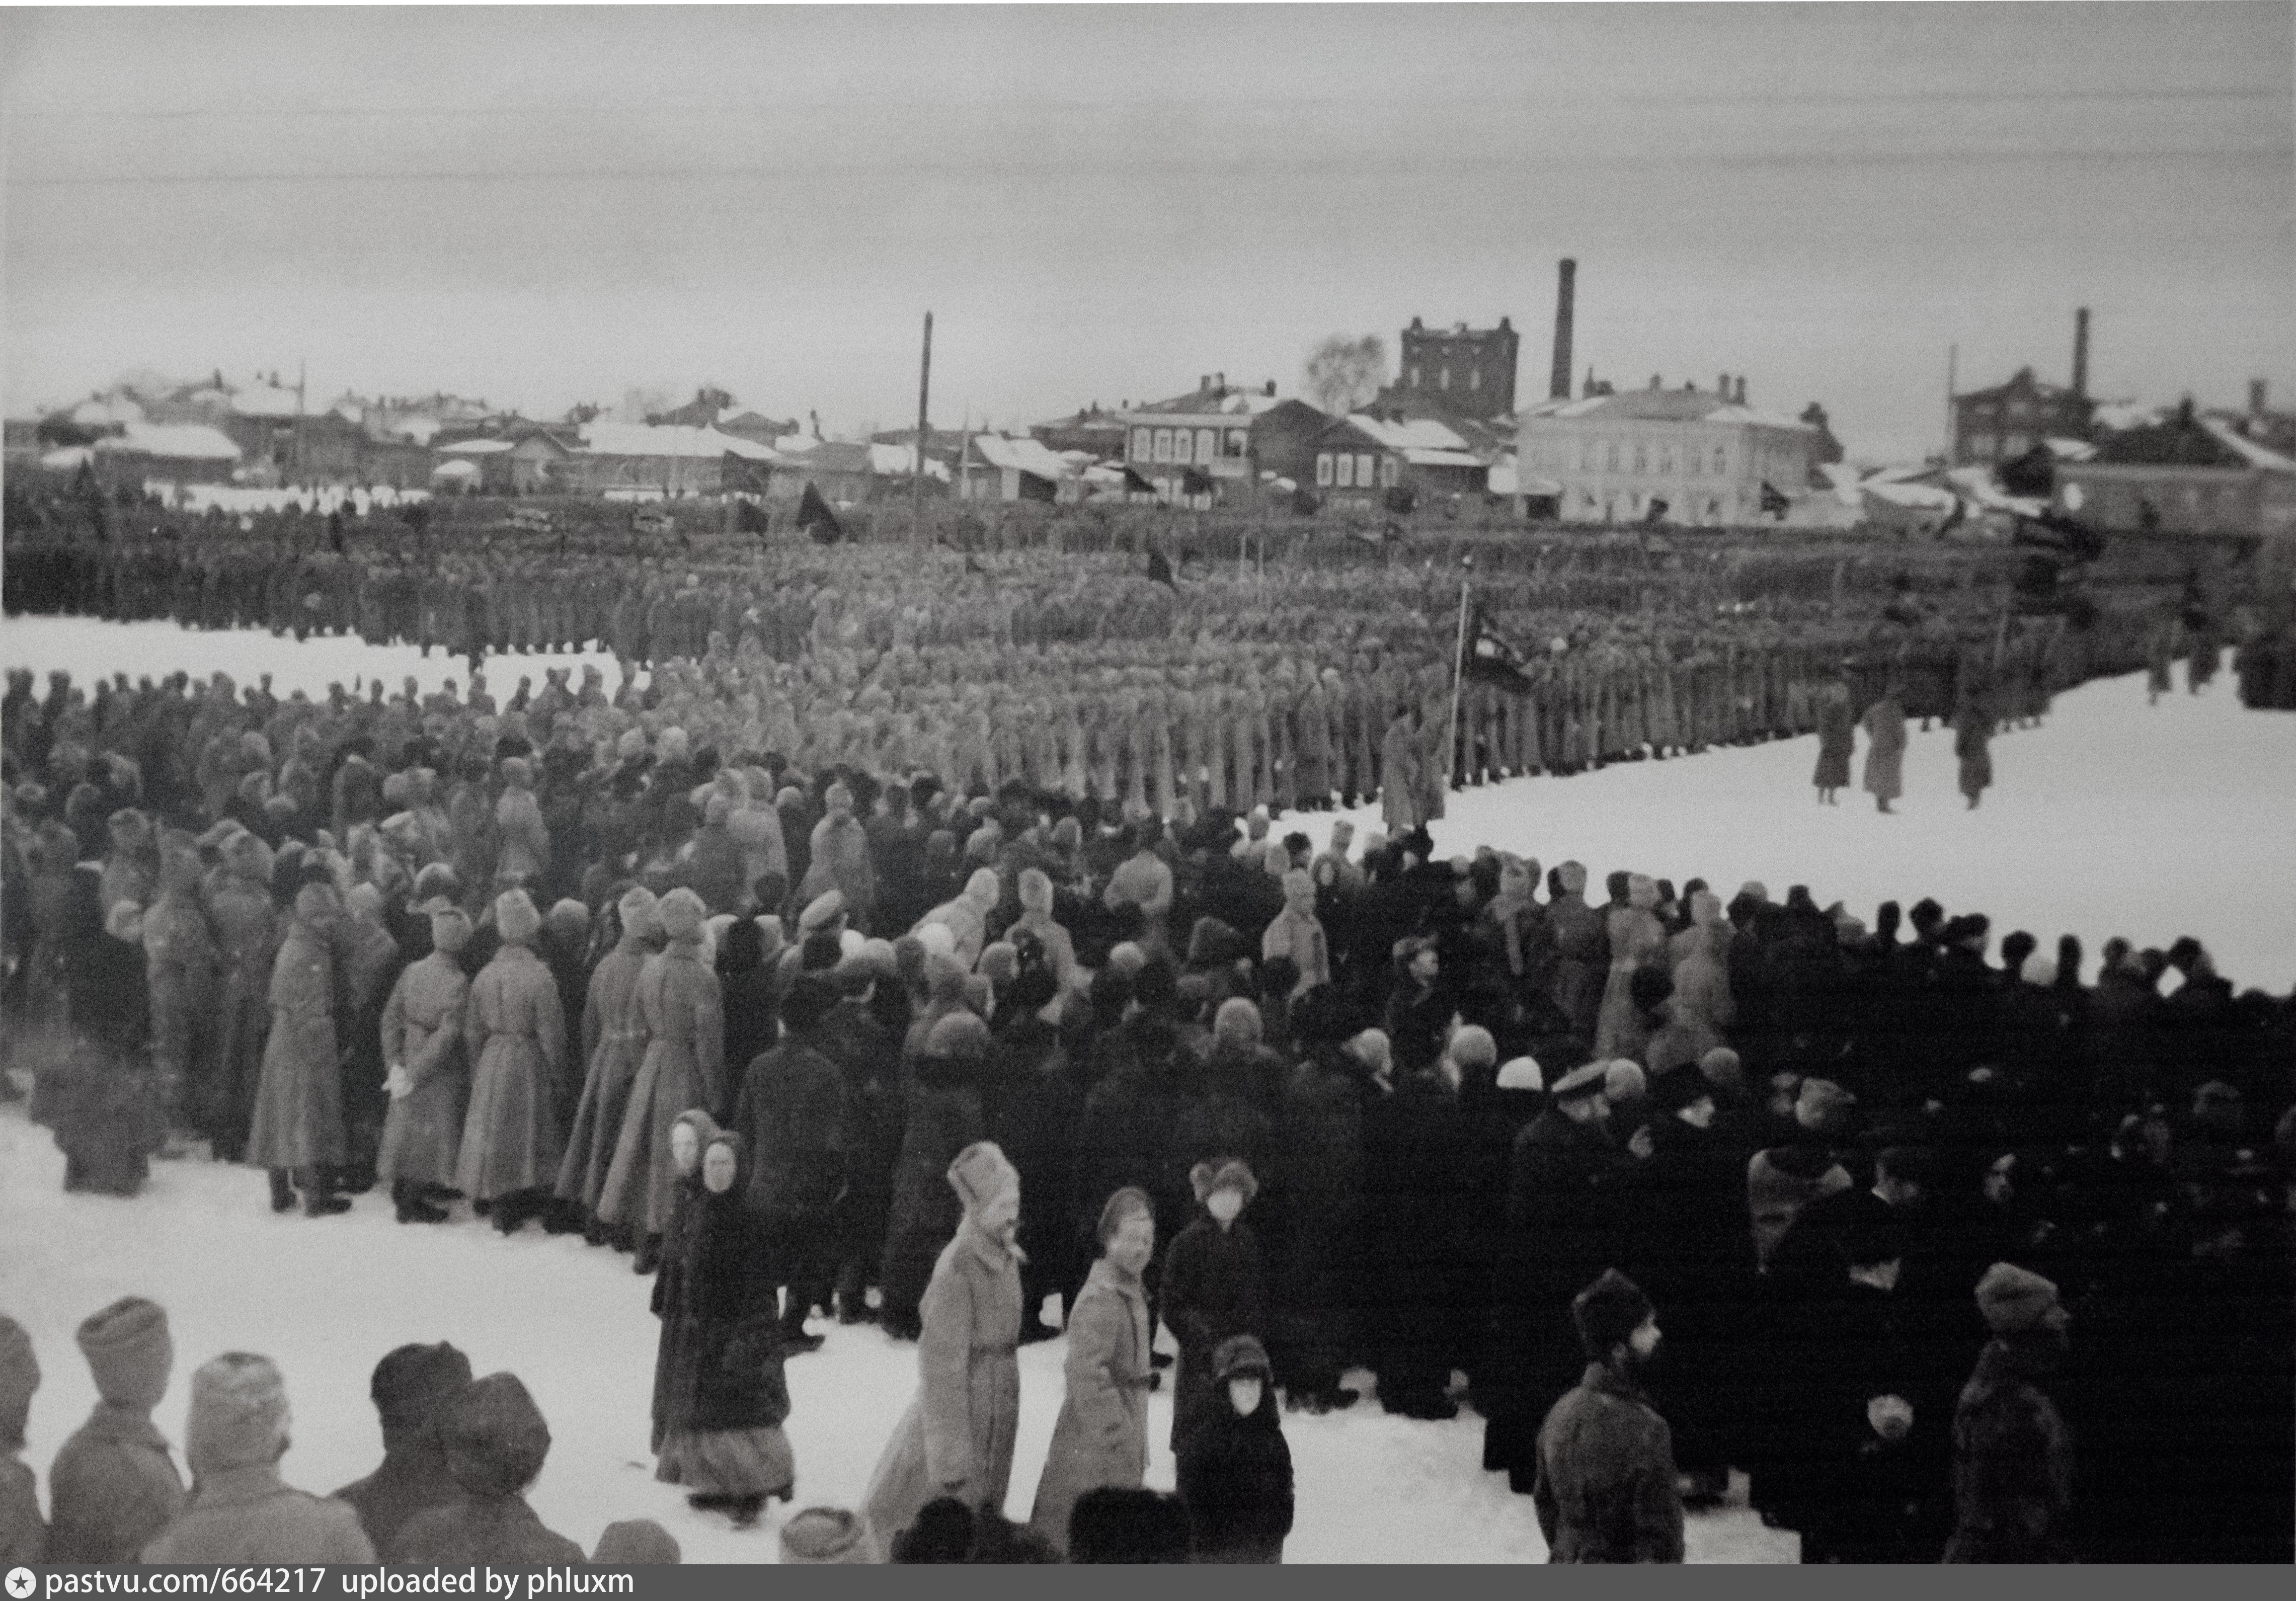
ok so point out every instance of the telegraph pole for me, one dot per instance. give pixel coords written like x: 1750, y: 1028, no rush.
x: 1952, y: 380
x: 917, y: 463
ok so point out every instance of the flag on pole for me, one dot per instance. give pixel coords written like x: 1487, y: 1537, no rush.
x: 1160, y: 570
x: 1774, y: 503
x: 1490, y: 658
x: 814, y: 517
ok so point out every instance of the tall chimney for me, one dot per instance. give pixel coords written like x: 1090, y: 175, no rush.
x: 1739, y: 398
x: 2257, y: 394
x: 1566, y: 282
x: 2080, y: 352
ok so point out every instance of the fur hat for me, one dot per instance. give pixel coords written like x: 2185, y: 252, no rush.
x: 1572, y: 876
x: 826, y: 1536
x: 496, y: 1438
x: 515, y: 918
x: 640, y: 1542
x: 239, y: 1414
x: 638, y: 911
x: 1240, y: 1357
x: 450, y: 929
x: 937, y: 939
x: 2012, y: 1300
x: 1121, y: 1205
x: 1473, y: 1046
x: 1607, y: 1311
x: 980, y: 1173
x: 960, y: 1035
x: 2040, y: 970
x: 1721, y: 1067
x: 413, y: 1385
x: 984, y: 889
x: 1522, y: 1073
x: 19, y: 1376
x: 1000, y: 963
x: 128, y: 1352
x: 1230, y: 1173
x: 821, y: 911
x: 1238, y: 1020
x: 1823, y: 1104
x: 1623, y: 1080
x: 682, y: 913
x: 1036, y: 889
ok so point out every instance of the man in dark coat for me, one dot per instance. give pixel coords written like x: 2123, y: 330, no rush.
x: 411, y: 1388
x: 1314, y: 1209
x: 859, y: 1035
x: 1415, y: 1240
x: 1562, y: 1198
x: 1605, y: 1490
x: 791, y: 1111
x: 2013, y: 1460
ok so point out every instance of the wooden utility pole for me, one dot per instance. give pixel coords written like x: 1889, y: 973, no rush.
x: 917, y: 463
x: 1451, y: 763
x: 1951, y: 379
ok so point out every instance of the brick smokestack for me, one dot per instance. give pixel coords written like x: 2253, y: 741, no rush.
x: 2080, y: 352
x: 1566, y: 288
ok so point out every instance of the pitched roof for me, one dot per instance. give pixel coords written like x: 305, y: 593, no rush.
x: 637, y: 439
x: 264, y: 400
x: 1026, y: 454
x: 1215, y: 401
x: 1665, y: 406
x: 1416, y: 433
x: 178, y: 441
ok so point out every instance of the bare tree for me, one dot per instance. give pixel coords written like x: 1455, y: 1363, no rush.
x: 1344, y: 373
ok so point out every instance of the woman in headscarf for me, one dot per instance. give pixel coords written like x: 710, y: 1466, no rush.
x: 720, y: 1420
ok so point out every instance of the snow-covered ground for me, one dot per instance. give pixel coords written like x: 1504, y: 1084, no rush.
x: 2112, y: 818
x: 326, y: 1298
x: 88, y: 648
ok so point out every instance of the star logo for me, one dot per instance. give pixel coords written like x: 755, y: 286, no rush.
x: 21, y: 1583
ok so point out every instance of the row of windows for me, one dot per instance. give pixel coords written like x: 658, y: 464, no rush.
x: 1443, y: 378
x: 1347, y: 470
x: 1598, y: 456
x: 1707, y: 509
x: 1181, y: 446
x: 1999, y: 447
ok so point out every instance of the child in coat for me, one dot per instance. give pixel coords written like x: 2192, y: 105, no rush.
x: 1235, y: 1467
x: 1211, y: 1287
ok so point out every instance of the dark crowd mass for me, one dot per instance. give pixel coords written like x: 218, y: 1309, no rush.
x: 824, y: 993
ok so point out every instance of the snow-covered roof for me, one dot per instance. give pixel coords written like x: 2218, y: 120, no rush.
x: 2119, y: 416
x: 476, y: 448
x: 1911, y: 497
x: 1025, y: 454
x: 1976, y: 485
x: 637, y: 439
x: 459, y: 468
x: 410, y: 425
x: 900, y: 461
x: 2070, y: 451
x: 72, y: 458
x: 1418, y: 458
x: 264, y: 400
x: 178, y: 441
x: 1665, y: 406
x: 2254, y: 454
x: 1206, y: 403
x: 107, y: 412
x: 1507, y: 478
x: 1419, y: 433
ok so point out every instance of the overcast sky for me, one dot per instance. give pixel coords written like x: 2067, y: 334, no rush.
x: 542, y: 206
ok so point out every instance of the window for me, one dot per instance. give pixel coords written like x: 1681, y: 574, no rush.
x: 1666, y: 459
x: 2013, y: 446
x: 1364, y: 471
x: 1163, y: 444
x: 1414, y: 374
x: 1323, y: 469
x: 2019, y: 410
x: 1610, y: 458
x: 1443, y: 378
x: 1144, y: 444
x: 1181, y: 443
x: 1390, y: 471
x: 1238, y: 441
x: 1641, y: 458
x: 1206, y: 445
x: 1347, y: 471
x: 1474, y: 378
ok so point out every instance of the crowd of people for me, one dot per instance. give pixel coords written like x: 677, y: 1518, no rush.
x: 1944, y: 1246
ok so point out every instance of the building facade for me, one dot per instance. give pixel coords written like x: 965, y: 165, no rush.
x: 2186, y: 474
x: 1196, y: 450
x: 2002, y: 423
x: 1615, y: 456
x: 1467, y: 371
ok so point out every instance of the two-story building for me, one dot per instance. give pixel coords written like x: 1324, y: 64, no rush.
x: 2002, y: 423
x: 1196, y: 449
x: 1705, y: 455
x: 2182, y: 474
x: 1361, y: 456
x: 1460, y: 371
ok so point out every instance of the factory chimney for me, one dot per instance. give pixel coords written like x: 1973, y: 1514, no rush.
x: 1558, y: 383
x: 2080, y: 353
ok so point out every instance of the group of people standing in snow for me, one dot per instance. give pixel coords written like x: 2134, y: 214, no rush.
x: 984, y: 1062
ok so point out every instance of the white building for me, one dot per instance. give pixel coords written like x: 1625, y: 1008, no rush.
x: 1704, y: 455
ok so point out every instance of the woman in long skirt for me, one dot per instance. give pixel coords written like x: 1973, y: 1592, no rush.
x: 724, y: 1439
x: 1100, y: 1437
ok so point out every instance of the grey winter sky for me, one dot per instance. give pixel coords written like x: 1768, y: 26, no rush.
x: 546, y: 206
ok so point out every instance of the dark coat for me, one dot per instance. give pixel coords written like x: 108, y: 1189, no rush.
x: 500, y: 1530
x: 790, y: 1114
x: 2013, y: 1464
x: 1236, y: 1475
x: 1418, y: 1254
x: 1211, y: 1291
x: 944, y: 1117
x: 732, y: 1345
x: 1605, y: 1491
x: 112, y: 1487
x: 673, y: 1363
x: 413, y: 1478
x: 1127, y: 1125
